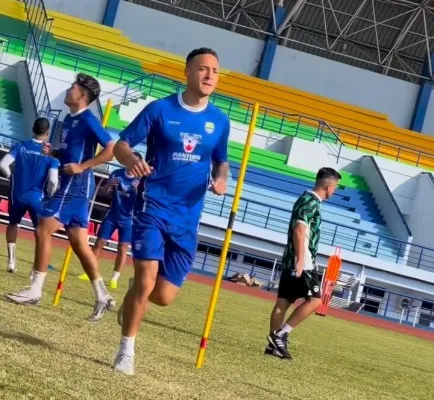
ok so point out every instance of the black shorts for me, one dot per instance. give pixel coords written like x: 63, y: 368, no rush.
x: 292, y: 288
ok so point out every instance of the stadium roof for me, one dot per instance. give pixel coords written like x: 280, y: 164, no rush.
x: 391, y: 37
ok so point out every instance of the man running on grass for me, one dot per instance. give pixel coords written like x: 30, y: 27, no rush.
x: 119, y: 217
x: 185, y: 134
x: 299, y: 275
x: 33, y: 174
x: 81, y: 134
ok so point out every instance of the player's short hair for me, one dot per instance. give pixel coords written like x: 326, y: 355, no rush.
x: 198, y: 52
x: 41, y: 126
x: 138, y: 155
x: 90, y: 85
x: 325, y: 174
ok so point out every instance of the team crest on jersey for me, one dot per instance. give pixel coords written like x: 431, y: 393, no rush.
x: 74, y: 123
x: 209, y: 127
x: 190, y: 141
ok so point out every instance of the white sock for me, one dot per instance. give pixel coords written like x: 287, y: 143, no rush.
x: 116, y: 275
x: 38, y: 281
x: 101, y: 293
x: 285, y: 328
x: 127, y: 345
x: 11, y: 253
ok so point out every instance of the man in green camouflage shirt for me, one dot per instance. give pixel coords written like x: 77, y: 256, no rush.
x: 299, y: 272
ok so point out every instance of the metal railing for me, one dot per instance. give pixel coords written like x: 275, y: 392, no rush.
x: 275, y: 218
x: 333, y: 234
x: 141, y: 84
x: 39, y: 26
x: 396, y: 306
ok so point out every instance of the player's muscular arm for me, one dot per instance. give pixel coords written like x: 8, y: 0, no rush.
x: 105, y: 155
x: 298, y: 235
x: 219, y: 176
x: 134, y: 166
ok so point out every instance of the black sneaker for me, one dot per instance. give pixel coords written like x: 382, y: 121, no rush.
x: 270, y: 351
x: 280, y: 344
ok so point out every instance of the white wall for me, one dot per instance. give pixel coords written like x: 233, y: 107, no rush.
x: 26, y: 96
x: 179, y: 36
x: 384, y: 198
x: 342, y: 82
x: 323, y: 155
x: 421, y: 219
x: 8, y: 66
x: 402, y: 182
x: 91, y: 10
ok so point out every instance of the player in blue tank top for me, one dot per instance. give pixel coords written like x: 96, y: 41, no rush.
x: 34, y: 173
x: 80, y: 136
x: 185, y: 136
x: 119, y: 217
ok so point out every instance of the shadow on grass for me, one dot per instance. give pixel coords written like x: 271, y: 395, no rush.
x: 26, y: 339
x: 173, y: 328
x: 34, y: 341
x: 417, y: 368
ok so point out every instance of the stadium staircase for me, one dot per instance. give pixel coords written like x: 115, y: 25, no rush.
x: 11, y: 117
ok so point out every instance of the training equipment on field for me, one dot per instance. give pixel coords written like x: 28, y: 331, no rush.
x: 215, y: 292
x: 67, y: 259
x: 329, y: 281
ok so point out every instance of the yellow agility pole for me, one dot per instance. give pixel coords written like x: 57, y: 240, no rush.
x: 215, y: 292
x: 67, y: 259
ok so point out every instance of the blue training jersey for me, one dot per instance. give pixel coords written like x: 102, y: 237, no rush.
x: 123, y: 195
x: 31, y: 170
x: 181, y: 143
x: 79, y: 139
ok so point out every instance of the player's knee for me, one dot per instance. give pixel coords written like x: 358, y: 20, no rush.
x: 314, y: 302
x: 123, y: 248
x: 99, y: 244
x: 142, y: 290
x: 42, y: 233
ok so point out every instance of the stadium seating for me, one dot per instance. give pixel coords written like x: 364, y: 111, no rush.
x: 82, y: 37
x: 271, y: 186
x: 11, y: 118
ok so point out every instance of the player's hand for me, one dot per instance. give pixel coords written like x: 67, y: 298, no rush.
x: 218, y: 186
x: 47, y: 149
x: 298, y: 268
x: 73, y: 169
x: 139, y: 168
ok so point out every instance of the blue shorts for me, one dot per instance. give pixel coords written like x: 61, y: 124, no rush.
x: 71, y: 211
x: 109, y: 225
x: 172, y: 245
x: 17, y: 209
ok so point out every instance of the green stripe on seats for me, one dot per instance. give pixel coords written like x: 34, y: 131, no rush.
x: 10, y: 96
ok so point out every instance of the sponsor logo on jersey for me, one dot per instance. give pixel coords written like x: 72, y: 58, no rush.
x: 190, y: 141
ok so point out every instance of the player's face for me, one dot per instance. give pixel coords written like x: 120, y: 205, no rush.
x: 330, y: 189
x: 202, y: 74
x: 74, y: 96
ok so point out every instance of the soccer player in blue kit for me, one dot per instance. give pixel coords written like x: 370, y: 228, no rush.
x: 33, y: 174
x: 80, y: 136
x: 185, y: 136
x: 119, y: 216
